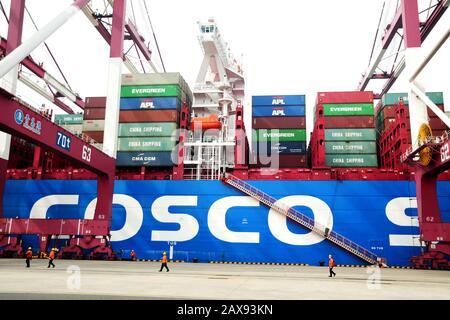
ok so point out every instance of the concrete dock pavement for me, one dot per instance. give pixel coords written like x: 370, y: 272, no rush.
x: 91, y: 280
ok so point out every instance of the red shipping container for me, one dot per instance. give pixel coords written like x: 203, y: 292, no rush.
x: 95, y: 102
x: 288, y: 161
x: 96, y: 135
x: 94, y: 114
x: 349, y: 122
x: 127, y: 116
x: 345, y: 97
x: 279, y: 123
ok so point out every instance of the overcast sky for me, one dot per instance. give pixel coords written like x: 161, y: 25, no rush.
x: 288, y: 46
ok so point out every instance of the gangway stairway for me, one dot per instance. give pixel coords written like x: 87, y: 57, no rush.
x: 302, y: 219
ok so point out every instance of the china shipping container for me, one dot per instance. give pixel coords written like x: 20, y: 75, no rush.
x: 147, y: 129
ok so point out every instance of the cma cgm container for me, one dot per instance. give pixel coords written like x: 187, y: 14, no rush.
x: 137, y: 159
x: 279, y: 123
x: 278, y: 100
x: 278, y: 111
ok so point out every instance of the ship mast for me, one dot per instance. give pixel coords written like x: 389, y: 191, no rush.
x: 219, y: 89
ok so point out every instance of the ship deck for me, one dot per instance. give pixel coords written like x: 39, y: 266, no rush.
x: 141, y: 280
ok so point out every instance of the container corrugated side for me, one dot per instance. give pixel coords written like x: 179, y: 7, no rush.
x: 284, y: 161
x: 345, y: 97
x: 349, y: 122
x: 68, y: 118
x: 134, y: 116
x: 351, y: 161
x: 93, y: 125
x: 95, y: 102
x: 74, y: 128
x: 150, y: 159
x: 394, y: 98
x: 94, y: 114
x: 146, y: 144
x: 349, y: 109
x: 150, y: 103
x: 350, y: 147
x: 280, y: 135
x: 277, y: 100
x: 291, y: 147
x: 150, y: 91
x: 147, y: 129
x: 279, y: 123
x: 350, y: 135
x: 278, y: 111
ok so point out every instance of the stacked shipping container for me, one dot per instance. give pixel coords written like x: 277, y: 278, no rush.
x: 149, y: 118
x: 394, y: 127
x: 279, y: 128
x: 94, y: 118
x: 386, y: 115
x: 344, y: 130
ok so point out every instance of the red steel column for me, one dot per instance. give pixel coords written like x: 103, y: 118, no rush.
x: 16, y: 15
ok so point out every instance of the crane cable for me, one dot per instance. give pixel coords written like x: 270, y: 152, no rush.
x: 49, y: 51
x: 154, y: 35
x: 376, y: 34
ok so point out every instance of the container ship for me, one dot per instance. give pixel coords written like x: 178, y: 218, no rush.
x: 192, y: 179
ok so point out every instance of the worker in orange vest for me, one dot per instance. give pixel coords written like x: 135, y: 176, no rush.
x: 51, y: 257
x: 331, y: 266
x: 29, y: 256
x: 164, y: 262
x: 133, y: 255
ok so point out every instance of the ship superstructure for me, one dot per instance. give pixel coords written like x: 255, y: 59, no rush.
x: 218, y: 91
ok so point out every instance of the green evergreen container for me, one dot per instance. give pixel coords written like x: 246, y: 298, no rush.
x: 150, y: 91
x: 146, y: 144
x: 148, y: 129
x: 350, y: 134
x: 348, y: 109
x: 351, y: 161
x: 354, y: 147
x: 280, y: 135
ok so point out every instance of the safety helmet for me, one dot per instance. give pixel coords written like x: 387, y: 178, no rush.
x: 164, y: 253
x: 29, y: 248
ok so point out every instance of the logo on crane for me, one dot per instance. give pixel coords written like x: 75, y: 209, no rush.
x: 27, y: 121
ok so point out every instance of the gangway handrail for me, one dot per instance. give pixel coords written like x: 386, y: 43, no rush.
x: 302, y: 219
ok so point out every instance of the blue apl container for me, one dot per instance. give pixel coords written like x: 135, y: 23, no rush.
x: 149, y: 103
x: 151, y: 159
x: 282, y: 147
x: 278, y: 111
x: 289, y: 100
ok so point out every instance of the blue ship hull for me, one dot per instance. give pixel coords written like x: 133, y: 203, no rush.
x: 210, y: 221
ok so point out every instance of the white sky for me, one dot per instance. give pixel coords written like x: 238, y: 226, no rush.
x: 288, y: 46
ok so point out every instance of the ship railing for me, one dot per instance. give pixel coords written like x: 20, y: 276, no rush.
x: 304, y: 220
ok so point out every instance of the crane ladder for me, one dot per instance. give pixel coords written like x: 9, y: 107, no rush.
x: 300, y: 218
